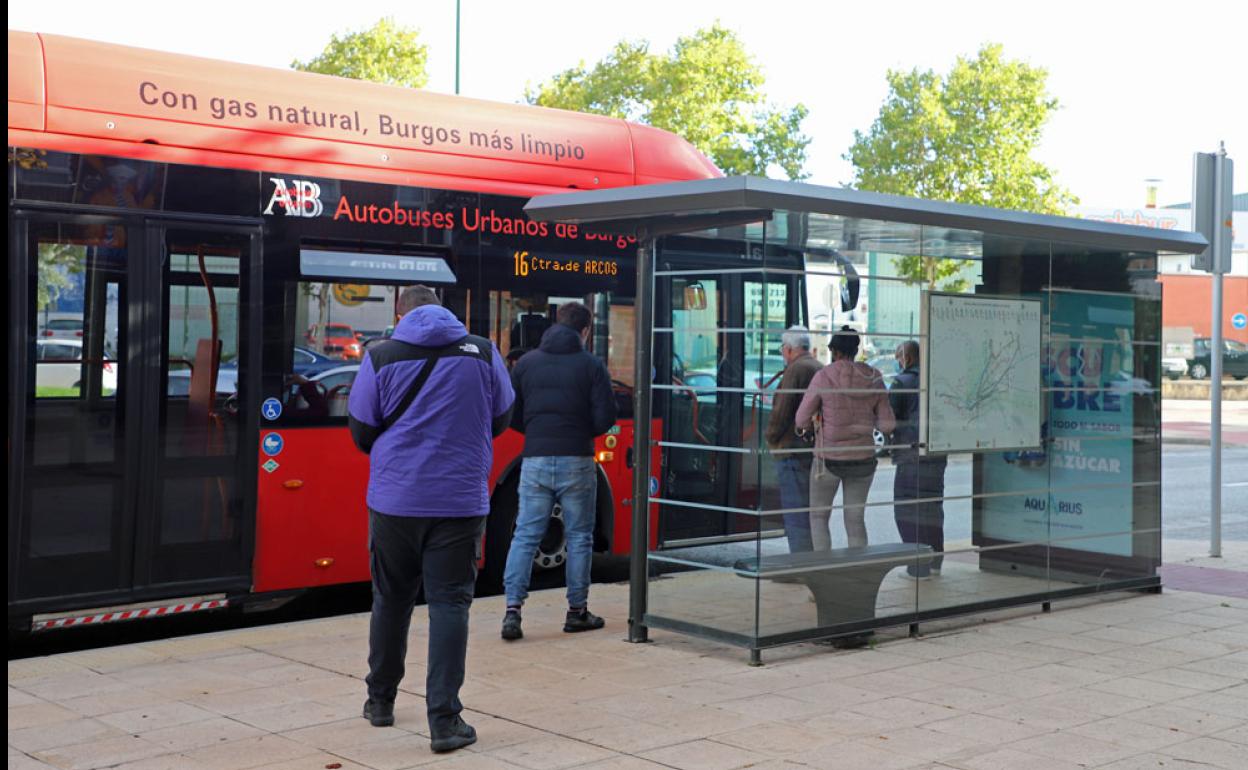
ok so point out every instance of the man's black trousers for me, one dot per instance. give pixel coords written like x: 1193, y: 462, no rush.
x: 440, y: 553
x: 921, y: 522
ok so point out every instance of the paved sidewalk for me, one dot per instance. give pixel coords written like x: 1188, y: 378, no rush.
x: 1121, y: 682
x: 1187, y: 422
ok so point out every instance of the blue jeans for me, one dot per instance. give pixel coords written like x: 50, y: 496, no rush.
x: 572, y: 483
x: 793, y: 472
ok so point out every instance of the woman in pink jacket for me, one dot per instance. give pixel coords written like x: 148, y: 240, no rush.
x: 851, y: 400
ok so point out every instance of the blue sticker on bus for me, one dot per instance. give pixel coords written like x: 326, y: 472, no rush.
x: 271, y: 409
x: 271, y: 444
x: 654, y: 485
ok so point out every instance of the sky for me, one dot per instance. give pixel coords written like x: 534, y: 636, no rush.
x: 1142, y: 85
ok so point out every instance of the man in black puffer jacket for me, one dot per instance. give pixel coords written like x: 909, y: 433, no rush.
x: 563, y: 401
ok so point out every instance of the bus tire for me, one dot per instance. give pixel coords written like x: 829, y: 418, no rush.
x: 499, y: 525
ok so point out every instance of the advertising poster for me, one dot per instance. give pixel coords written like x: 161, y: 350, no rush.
x: 1076, y: 492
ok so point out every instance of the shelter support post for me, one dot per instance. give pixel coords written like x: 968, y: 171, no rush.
x: 642, y: 376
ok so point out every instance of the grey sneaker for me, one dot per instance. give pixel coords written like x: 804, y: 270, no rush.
x: 461, y: 734
x: 582, y: 621
x: 511, y: 626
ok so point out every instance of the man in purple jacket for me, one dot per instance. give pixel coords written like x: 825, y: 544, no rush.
x: 425, y: 406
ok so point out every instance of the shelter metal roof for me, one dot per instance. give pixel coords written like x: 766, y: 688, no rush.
x: 688, y: 206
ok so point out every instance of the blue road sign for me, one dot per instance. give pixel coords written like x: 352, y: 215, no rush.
x: 272, y: 444
x: 271, y: 409
x: 1239, y: 320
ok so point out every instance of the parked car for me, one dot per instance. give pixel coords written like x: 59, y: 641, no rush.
x: 180, y: 381
x: 1174, y: 368
x: 63, y: 328
x: 59, y: 365
x: 334, y: 340
x: 1234, y: 359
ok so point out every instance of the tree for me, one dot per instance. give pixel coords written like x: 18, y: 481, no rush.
x: 965, y: 137
x: 708, y: 90
x: 385, y: 53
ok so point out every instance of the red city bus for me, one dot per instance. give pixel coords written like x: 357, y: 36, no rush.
x: 208, y: 222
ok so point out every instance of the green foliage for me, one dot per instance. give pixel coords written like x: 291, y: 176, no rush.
x: 385, y: 53
x: 57, y: 261
x: 965, y: 137
x: 708, y: 90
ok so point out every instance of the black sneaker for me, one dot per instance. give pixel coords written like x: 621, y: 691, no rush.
x: 379, y: 713
x: 583, y: 620
x: 511, y: 626
x: 458, y: 736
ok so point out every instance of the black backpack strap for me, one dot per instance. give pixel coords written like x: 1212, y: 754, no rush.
x: 469, y: 345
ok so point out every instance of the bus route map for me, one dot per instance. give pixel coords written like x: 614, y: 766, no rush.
x: 982, y: 373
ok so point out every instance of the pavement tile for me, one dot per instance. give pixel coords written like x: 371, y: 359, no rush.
x: 859, y: 754
x: 1094, y: 702
x: 1012, y: 759
x: 155, y: 717
x: 1216, y: 703
x: 637, y: 763
x: 99, y: 753
x: 315, y: 762
x: 1234, y: 735
x: 631, y: 737
x: 63, y: 733
x: 790, y: 705
x: 392, y: 753
x: 36, y: 713
x: 1132, y: 734
x: 23, y: 762
x: 779, y: 738
x: 1076, y: 749
x: 551, y: 753
x: 161, y: 762
x: 493, y: 733
x: 301, y: 714
x: 196, y: 735
x: 250, y: 752
x: 1177, y: 717
x: 964, y: 698
x: 1209, y: 751
x: 705, y: 755
x: 927, y: 744
x: 348, y: 732
x: 984, y: 729
x: 112, y: 702
x: 1055, y: 715
x: 65, y: 686
x: 1143, y: 689
x: 1196, y: 680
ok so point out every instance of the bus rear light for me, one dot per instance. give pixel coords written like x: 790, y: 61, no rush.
x: 324, y: 562
x: 606, y: 457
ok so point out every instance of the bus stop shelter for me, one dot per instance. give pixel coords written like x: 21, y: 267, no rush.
x: 1026, y: 466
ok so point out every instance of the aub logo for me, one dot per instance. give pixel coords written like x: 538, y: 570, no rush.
x: 300, y: 198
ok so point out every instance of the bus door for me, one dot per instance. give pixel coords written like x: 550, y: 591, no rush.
x: 718, y: 396
x: 197, y: 514
x: 125, y: 474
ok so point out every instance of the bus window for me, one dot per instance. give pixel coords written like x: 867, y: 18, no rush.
x: 333, y: 326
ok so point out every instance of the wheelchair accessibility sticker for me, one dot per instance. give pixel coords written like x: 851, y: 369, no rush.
x: 271, y: 409
x: 654, y: 485
x: 272, y: 444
